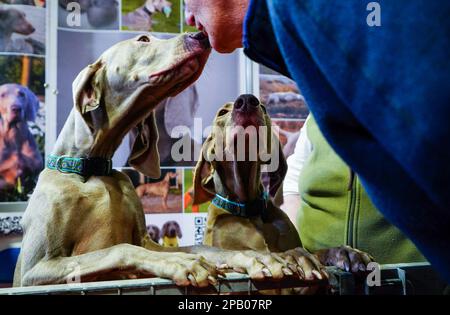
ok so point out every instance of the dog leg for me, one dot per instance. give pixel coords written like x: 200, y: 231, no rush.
x: 124, y: 259
x: 164, y: 200
x: 258, y: 265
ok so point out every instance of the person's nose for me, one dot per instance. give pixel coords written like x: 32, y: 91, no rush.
x: 246, y: 102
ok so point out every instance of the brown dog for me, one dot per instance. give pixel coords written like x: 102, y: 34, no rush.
x: 158, y: 189
x: 240, y: 215
x: 84, y: 220
x: 19, y: 155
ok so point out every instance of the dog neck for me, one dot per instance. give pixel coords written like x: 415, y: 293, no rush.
x: 13, y: 131
x: 238, y: 181
x: 5, y: 35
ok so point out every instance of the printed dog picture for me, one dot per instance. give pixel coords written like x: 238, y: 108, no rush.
x: 22, y: 29
x: 186, y: 27
x: 176, y: 229
x: 152, y: 16
x: 162, y: 195
x: 37, y: 3
x: 281, y: 96
x: 22, y: 126
x: 10, y: 237
x: 188, y: 195
x: 288, y: 132
x: 95, y: 14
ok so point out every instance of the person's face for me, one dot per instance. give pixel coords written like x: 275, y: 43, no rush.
x: 221, y: 20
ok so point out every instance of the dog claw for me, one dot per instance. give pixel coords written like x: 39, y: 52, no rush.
x: 192, y: 280
x: 317, y: 274
x: 212, y: 280
x: 266, y: 273
x: 223, y: 266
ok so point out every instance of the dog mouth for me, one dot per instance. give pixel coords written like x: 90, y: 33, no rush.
x: 183, y: 69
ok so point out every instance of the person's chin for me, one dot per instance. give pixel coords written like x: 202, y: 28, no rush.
x: 223, y: 49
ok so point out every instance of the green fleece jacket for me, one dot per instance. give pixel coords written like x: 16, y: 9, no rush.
x: 336, y: 210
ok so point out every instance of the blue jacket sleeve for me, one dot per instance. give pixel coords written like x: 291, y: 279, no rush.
x: 380, y: 95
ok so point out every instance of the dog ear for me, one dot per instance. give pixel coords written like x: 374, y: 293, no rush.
x: 87, y: 88
x: 179, y: 234
x: 276, y: 165
x: 163, y: 231
x: 204, y: 175
x: 32, y: 106
x: 87, y: 94
x: 144, y: 156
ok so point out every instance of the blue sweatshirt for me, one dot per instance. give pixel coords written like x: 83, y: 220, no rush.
x: 380, y: 95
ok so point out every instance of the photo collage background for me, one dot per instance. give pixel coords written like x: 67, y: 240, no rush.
x: 22, y: 118
x: 171, y: 218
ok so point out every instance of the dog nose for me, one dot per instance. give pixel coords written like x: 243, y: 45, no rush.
x: 16, y: 109
x: 246, y: 102
x: 202, y: 38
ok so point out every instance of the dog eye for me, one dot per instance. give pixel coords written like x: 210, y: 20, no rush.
x: 144, y: 39
x: 21, y: 94
x: 222, y: 112
x: 3, y: 95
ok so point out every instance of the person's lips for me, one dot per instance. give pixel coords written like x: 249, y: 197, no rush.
x: 190, y: 19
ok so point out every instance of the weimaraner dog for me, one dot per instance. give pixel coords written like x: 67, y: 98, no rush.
x: 85, y: 219
x: 241, y: 216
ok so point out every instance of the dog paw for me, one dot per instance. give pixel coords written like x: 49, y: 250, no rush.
x: 258, y: 265
x: 345, y: 258
x: 182, y: 268
x: 306, y: 265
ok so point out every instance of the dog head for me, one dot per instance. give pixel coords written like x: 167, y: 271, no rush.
x: 171, y: 229
x: 14, y: 21
x: 120, y: 90
x: 154, y: 232
x: 241, y: 141
x: 17, y: 104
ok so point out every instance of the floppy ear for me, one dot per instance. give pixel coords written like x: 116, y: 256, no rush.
x: 276, y: 177
x: 204, y: 176
x: 277, y: 165
x: 163, y: 230
x: 88, y: 87
x: 32, y: 106
x: 87, y: 94
x: 144, y: 156
x: 179, y: 234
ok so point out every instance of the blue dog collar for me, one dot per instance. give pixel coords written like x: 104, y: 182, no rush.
x: 85, y: 167
x: 254, y: 208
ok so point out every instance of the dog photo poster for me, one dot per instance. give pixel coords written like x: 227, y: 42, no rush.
x: 22, y: 119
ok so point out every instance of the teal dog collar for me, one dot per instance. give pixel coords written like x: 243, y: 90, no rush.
x: 85, y: 167
x: 254, y: 208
